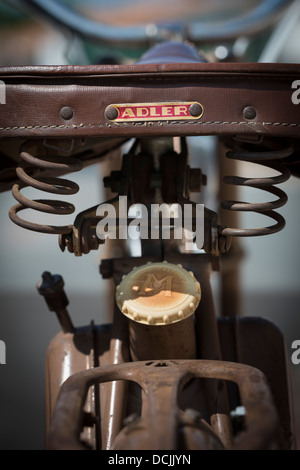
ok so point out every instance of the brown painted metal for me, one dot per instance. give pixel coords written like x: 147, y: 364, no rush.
x: 114, y: 411
x: 68, y: 354
x: 244, y: 341
x: 259, y: 343
x: 175, y: 341
x: 209, y: 348
x: 159, y: 428
x: 201, y: 397
x: 122, y: 400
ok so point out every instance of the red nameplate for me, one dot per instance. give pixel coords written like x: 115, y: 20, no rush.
x: 153, y: 111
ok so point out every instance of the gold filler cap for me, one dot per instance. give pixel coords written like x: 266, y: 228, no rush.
x: 158, y: 293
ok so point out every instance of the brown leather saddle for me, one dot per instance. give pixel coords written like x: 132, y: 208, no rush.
x: 71, y: 102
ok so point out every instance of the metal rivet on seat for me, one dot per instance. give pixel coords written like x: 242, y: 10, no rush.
x: 249, y: 112
x: 196, y: 110
x: 111, y: 113
x: 66, y: 113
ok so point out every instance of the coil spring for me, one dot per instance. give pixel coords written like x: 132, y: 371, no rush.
x: 52, y: 185
x: 268, y: 157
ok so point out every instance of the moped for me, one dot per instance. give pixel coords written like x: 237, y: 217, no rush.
x: 168, y: 372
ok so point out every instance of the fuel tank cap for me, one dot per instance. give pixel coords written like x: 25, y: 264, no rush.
x: 158, y: 293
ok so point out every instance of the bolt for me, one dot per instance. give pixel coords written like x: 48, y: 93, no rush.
x: 111, y: 113
x: 249, y: 112
x: 66, y: 113
x: 50, y: 284
x: 51, y: 287
x: 196, y: 110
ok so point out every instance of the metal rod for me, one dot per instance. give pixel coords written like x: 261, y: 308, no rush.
x: 209, y: 348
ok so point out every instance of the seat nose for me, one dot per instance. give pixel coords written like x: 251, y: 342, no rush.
x: 171, y: 52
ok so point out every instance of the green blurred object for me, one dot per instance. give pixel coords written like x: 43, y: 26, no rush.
x: 10, y: 15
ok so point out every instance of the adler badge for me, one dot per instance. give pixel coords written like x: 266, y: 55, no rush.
x: 175, y: 111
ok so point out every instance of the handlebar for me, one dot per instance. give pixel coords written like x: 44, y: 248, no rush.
x: 254, y: 21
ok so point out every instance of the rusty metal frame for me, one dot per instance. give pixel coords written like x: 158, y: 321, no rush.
x: 161, y: 385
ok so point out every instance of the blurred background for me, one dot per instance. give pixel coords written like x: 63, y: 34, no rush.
x: 270, y: 274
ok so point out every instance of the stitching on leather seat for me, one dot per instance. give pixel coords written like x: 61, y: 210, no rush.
x: 74, y: 126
